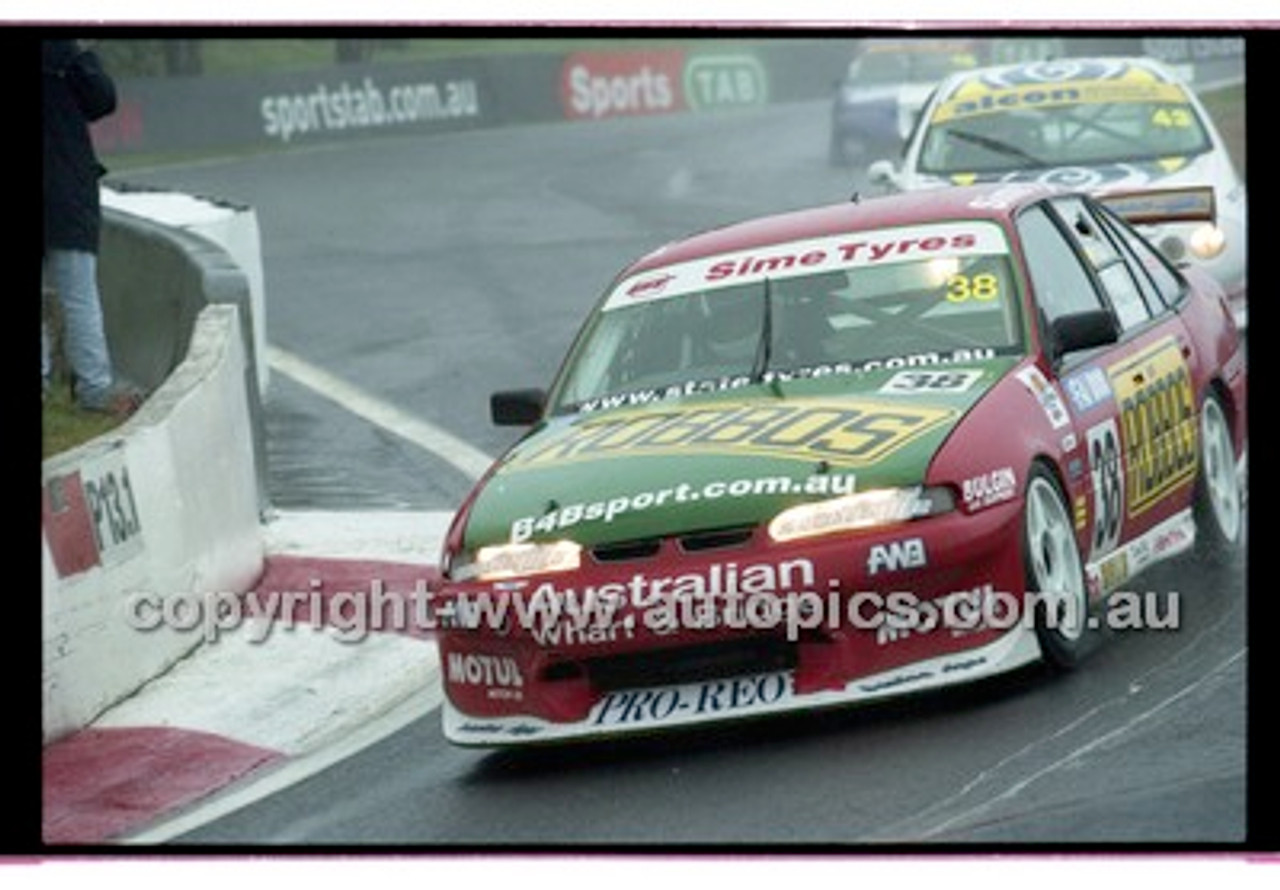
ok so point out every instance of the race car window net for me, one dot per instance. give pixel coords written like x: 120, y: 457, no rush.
x: 1109, y: 265
x: 1092, y: 133
x: 1167, y: 287
x: 940, y: 309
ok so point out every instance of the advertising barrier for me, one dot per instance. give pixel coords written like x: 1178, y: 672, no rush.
x: 291, y: 109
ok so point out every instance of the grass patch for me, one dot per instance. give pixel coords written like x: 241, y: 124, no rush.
x: 66, y: 426
x: 63, y: 424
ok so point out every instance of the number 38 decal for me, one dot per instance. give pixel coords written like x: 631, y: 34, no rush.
x: 931, y: 382
x: 1107, y: 473
x: 981, y: 288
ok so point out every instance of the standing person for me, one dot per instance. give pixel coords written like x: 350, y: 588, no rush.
x: 76, y: 91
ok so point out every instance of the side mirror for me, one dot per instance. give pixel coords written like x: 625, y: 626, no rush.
x: 517, y: 407
x: 1083, y: 330
x: 883, y: 173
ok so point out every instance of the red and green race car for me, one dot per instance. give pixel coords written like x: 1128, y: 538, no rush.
x: 840, y: 454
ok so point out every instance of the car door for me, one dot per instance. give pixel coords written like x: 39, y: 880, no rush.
x: 1132, y: 403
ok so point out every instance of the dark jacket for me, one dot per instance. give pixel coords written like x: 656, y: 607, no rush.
x: 76, y: 90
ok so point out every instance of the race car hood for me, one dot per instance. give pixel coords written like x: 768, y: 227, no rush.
x: 723, y: 460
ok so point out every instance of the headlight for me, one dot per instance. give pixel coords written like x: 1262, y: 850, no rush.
x: 867, y: 509
x: 501, y: 561
x: 1207, y: 241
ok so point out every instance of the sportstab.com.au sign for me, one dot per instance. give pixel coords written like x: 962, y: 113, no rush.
x: 327, y: 108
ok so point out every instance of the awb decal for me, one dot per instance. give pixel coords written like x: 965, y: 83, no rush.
x: 896, y: 556
x: 852, y: 433
x: 1157, y: 423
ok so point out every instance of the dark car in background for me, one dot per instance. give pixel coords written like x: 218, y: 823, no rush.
x: 884, y: 87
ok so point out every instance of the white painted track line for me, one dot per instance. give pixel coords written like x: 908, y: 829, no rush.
x: 467, y: 459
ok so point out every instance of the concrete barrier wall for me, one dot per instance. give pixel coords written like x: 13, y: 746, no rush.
x: 167, y: 508
x: 162, y: 508
x: 158, y: 267
x: 152, y: 292
x: 145, y: 250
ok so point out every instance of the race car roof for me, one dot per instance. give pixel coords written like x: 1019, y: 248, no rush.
x: 1117, y: 70
x: 992, y: 201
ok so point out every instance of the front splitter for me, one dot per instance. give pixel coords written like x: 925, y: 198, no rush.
x: 629, y: 711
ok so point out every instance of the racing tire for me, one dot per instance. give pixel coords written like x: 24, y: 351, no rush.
x: 1216, y: 503
x: 1054, y: 571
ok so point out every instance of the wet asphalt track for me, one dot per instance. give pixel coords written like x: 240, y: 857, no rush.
x: 431, y: 271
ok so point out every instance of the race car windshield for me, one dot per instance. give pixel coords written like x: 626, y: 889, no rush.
x: 1088, y: 133
x: 834, y: 322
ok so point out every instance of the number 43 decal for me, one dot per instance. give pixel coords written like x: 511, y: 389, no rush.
x: 1107, y: 473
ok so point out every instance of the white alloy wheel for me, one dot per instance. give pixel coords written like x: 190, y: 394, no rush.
x: 1218, y: 469
x: 1054, y: 570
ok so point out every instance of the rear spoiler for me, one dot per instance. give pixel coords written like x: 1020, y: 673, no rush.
x: 1193, y: 203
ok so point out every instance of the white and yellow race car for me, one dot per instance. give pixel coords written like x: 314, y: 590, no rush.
x: 1100, y: 125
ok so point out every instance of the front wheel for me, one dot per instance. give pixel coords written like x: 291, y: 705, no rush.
x: 1054, y: 571
x: 1217, y: 508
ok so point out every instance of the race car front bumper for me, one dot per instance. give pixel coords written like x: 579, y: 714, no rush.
x: 740, y: 697
x: 858, y: 617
